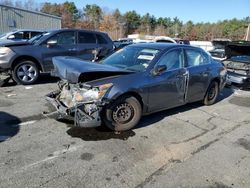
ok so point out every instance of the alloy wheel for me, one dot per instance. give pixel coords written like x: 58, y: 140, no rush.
x: 26, y: 73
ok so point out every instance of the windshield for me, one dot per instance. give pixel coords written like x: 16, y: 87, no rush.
x: 36, y: 38
x: 131, y: 58
x: 3, y: 35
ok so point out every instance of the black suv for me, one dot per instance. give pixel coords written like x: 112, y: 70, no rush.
x: 26, y: 60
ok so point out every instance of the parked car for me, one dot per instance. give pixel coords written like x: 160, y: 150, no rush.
x: 164, y: 39
x: 27, y: 59
x: 137, y: 80
x: 181, y: 41
x: 238, y: 63
x: 218, y: 52
x: 122, y: 42
x: 19, y: 35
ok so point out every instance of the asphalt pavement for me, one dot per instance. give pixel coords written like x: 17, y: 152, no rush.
x: 188, y: 146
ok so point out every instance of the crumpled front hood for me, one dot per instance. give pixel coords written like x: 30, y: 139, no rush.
x: 75, y: 70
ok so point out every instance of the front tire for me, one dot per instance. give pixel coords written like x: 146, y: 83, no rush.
x: 123, y: 114
x: 26, y: 72
x: 211, y: 94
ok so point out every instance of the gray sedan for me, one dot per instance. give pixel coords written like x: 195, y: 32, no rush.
x: 137, y: 80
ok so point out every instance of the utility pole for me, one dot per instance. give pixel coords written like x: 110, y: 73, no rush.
x: 247, y: 34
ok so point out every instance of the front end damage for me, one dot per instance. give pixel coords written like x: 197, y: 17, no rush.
x: 238, y: 73
x: 238, y: 63
x: 79, y: 102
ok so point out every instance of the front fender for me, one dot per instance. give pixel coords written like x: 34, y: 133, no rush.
x: 114, y: 93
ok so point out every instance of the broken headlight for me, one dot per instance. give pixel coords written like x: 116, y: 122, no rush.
x: 93, y: 94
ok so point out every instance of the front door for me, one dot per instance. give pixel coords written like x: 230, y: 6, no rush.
x: 168, y: 88
x: 65, y: 45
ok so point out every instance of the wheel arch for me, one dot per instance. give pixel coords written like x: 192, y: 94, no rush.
x: 133, y: 94
x: 215, y: 79
x: 29, y: 58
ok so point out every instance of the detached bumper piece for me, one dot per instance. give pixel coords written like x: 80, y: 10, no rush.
x: 238, y: 79
x: 83, y: 115
x: 82, y: 119
x: 4, y: 77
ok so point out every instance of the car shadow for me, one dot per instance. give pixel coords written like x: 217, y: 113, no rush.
x: 9, y: 126
x: 103, y: 133
x: 98, y: 133
x: 158, y: 116
x: 45, y: 78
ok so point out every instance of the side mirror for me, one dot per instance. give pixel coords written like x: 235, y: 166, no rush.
x: 158, y: 70
x: 11, y: 37
x: 51, y: 43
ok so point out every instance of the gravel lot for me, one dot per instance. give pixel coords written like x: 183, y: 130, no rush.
x: 189, y: 146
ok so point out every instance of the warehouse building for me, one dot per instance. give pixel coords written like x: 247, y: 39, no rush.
x: 12, y: 18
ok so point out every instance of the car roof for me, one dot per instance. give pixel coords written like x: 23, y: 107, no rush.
x: 59, y: 30
x: 18, y: 30
x: 161, y: 46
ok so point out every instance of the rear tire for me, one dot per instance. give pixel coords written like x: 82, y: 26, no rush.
x: 25, y: 73
x: 211, y: 94
x: 123, y: 114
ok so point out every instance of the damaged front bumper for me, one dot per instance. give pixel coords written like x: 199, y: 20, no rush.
x: 238, y: 79
x: 77, y: 113
x: 238, y: 73
x: 78, y: 102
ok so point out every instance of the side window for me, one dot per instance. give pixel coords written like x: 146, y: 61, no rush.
x: 85, y: 37
x: 196, y: 58
x: 64, y: 38
x: 206, y: 58
x: 19, y: 35
x: 34, y: 34
x: 101, y: 40
x: 26, y: 35
x: 172, y: 59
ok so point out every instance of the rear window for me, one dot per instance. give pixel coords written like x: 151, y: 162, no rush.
x: 101, y: 40
x: 86, y: 37
x: 196, y: 58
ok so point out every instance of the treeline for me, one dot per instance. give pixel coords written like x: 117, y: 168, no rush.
x: 119, y: 25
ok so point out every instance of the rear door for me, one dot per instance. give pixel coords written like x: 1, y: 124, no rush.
x: 199, y: 68
x: 168, y: 89
x: 87, y: 47
x: 105, y: 45
x: 65, y: 46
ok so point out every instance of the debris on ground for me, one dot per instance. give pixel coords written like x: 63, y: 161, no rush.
x: 4, y: 78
